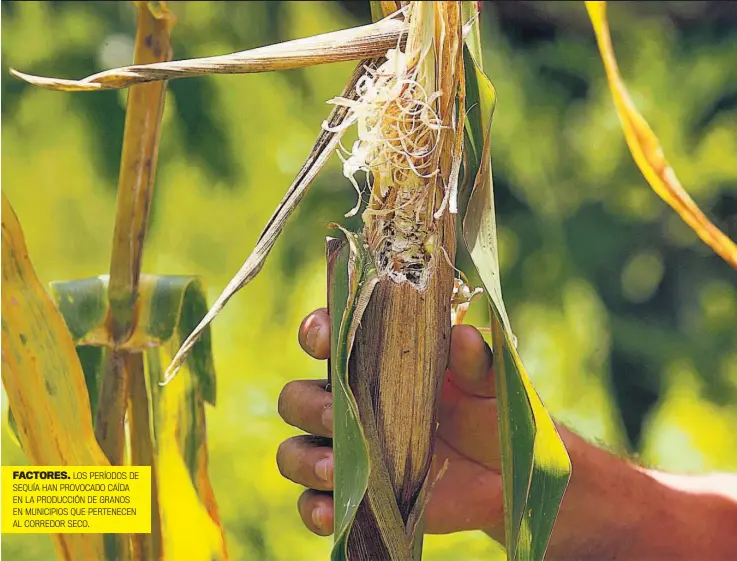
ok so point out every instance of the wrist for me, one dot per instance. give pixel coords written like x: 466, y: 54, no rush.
x: 601, y: 507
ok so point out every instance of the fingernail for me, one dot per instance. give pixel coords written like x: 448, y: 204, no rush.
x: 319, y: 517
x: 327, y: 418
x: 324, y: 469
x: 312, y: 336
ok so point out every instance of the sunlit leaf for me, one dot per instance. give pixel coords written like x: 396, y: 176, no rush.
x: 535, y: 465
x: 646, y: 149
x: 190, y: 524
x: 43, y: 378
x: 470, y: 14
x: 365, y: 42
x: 12, y: 426
x: 167, y: 308
x: 479, y: 222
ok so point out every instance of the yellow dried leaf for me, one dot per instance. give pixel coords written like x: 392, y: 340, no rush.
x: 190, y: 523
x: 646, y: 149
x: 43, y: 378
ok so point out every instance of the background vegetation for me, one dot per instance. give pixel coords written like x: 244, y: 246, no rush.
x: 625, y: 319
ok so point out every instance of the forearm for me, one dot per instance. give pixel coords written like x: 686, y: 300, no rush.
x: 615, y: 510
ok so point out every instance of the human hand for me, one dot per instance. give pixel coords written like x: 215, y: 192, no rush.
x: 612, y: 509
x: 468, y: 496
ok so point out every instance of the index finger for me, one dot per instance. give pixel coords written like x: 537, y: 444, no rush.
x: 314, y: 334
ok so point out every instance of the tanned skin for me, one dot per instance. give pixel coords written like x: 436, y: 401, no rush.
x: 613, y: 509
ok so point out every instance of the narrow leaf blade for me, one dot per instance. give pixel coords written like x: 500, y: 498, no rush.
x: 646, y: 150
x: 321, y: 151
x: 353, y: 280
x: 479, y: 221
x: 535, y: 465
x: 357, y: 43
x: 190, y: 525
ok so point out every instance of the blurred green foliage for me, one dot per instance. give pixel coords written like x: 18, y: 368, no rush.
x: 626, y: 320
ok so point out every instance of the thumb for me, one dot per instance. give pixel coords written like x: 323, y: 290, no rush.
x: 467, y: 415
x: 470, y: 362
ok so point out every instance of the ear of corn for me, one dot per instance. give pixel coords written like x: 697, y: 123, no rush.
x: 408, y: 142
x: 646, y: 149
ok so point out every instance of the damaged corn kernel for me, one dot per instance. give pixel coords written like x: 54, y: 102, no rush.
x: 396, y: 114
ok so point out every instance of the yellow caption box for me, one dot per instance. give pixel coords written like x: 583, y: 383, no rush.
x: 76, y: 500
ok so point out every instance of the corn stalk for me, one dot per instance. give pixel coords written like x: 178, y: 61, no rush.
x: 135, y: 192
x: 423, y: 106
x: 124, y: 326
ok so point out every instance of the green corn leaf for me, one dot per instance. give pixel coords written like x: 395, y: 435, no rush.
x: 535, y: 464
x: 479, y: 222
x: 353, y: 279
x: 469, y: 13
x: 167, y: 309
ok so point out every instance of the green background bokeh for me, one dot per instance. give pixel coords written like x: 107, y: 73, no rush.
x: 626, y: 321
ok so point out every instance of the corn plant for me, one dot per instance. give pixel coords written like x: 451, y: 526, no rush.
x: 81, y: 361
x: 422, y: 106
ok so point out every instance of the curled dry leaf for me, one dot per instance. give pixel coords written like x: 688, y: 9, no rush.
x: 321, y: 151
x: 646, y: 149
x: 356, y: 43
